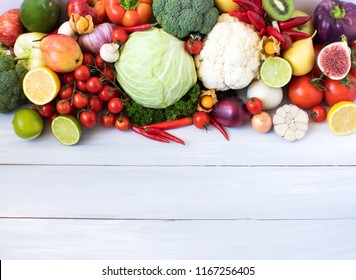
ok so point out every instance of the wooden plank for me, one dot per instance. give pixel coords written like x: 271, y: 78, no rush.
x: 178, y: 192
x: 86, y: 239
x: 102, y: 146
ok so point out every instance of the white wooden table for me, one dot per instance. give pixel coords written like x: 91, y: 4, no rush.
x: 117, y: 195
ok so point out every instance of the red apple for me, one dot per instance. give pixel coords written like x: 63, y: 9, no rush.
x: 94, y: 8
x: 10, y: 27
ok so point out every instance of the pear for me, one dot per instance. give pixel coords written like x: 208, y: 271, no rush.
x: 61, y: 53
x: 301, y: 56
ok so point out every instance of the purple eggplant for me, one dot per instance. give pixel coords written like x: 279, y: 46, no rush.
x: 334, y: 18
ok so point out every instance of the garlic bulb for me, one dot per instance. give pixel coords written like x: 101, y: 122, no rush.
x: 290, y: 122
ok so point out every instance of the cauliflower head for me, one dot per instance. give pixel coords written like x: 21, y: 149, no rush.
x: 230, y: 57
x: 180, y: 18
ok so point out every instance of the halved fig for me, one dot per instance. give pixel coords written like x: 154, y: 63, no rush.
x: 334, y: 60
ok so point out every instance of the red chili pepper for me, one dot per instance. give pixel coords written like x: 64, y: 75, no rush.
x: 171, y: 124
x: 262, y: 32
x: 272, y: 31
x: 241, y: 15
x: 296, y: 35
x: 257, y: 21
x: 287, y: 44
x: 151, y: 136
x: 293, y: 22
x: 250, y: 6
x: 219, y: 127
x: 258, y: 2
x: 157, y: 131
x: 140, y: 27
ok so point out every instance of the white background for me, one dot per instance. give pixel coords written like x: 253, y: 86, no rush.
x: 119, y: 196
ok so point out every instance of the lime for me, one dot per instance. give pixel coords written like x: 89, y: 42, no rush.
x: 27, y: 124
x: 40, y: 15
x: 41, y: 85
x: 66, y: 129
x: 276, y: 72
x: 342, y: 118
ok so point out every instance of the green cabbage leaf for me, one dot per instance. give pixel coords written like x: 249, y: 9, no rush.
x: 154, y: 69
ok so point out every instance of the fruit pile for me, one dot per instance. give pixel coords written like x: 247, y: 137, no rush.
x: 71, y: 68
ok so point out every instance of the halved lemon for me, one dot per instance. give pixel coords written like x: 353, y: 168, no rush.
x: 41, y: 85
x: 342, y: 118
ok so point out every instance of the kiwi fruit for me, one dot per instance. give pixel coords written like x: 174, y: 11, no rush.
x: 280, y: 10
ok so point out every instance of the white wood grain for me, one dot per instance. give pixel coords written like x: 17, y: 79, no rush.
x: 178, y: 192
x: 83, y: 239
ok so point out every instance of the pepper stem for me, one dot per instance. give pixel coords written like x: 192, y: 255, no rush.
x: 129, y: 4
x: 337, y: 11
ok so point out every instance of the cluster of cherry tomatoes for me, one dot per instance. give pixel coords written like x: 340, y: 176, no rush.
x: 89, y: 93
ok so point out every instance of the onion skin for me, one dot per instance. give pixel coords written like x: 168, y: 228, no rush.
x: 231, y: 112
x: 330, y: 28
x: 93, y: 41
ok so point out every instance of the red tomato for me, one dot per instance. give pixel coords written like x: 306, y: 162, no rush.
x: 68, y: 78
x: 99, y: 62
x: 318, y: 113
x: 93, y: 85
x: 46, y: 110
x: 88, y: 118
x: 107, y: 120
x: 119, y: 36
x: 303, y: 93
x: 88, y: 59
x: 95, y: 104
x: 107, y: 93
x: 122, y: 123
x: 336, y: 91
x: 115, y: 105
x: 80, y: 101
x: 81, y: 86
x: 193, y: 45
x: 201, y: 119
x: 64, y: 107
x: 108, y: 75
x: 66, y: 91
x: 52, y: 117
x: 82, y: 73
x: 254, y: 105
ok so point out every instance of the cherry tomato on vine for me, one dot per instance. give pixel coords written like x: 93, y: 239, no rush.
x: 99, y: 62
x: 68, y: 78
x: 81, y: 86
x: 52, y: 117
x: 80, y: 101
x: 93, y: 85
x: 46, y: 110
x: 88, y: 118
x: 82, y: 73
x: 201, y: 119
x: 88, y: 59
x: 119, y: 36
x: 108, y: 75
x: 254, y: 105
x: 303, y: 93
x: 64, y: 107
x: 115, y: 105
x: 318, y: 113
x: 107, y: 119
x: 107, y: 93
x: 193, y: 45
x: 66, y: 91
x: 95, y: 104
x: 122, y: 123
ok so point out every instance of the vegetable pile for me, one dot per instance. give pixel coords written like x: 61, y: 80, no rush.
x: 149, y: 66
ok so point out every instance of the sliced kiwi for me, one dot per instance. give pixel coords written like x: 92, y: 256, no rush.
x: 280, y: 10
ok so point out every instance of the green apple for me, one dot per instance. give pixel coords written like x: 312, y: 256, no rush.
x: 307, y: 27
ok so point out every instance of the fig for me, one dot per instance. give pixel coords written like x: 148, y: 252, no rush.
x: 334, y: 60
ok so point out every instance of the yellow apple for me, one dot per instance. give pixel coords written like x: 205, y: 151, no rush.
x: 61, y: 53
x: 226, y: 5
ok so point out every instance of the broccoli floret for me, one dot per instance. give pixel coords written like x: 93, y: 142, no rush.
x: 11, y: 76
x: 180, y: 18
x: 185, y: 107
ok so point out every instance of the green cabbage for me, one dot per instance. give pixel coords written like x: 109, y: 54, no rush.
x: 154, y: 68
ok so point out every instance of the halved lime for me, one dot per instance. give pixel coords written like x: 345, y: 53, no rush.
x: 276, y: 72
x: 66, y: 129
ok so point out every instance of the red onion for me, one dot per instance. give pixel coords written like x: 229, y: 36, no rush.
x: 231, y: 112
x: 93, y: 41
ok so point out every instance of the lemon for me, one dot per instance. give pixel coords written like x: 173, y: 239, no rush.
x: 41, y: 85
x: 276, y: 72
x: 27, y: 124
x: 66, y: 129
x: 342, y: 118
